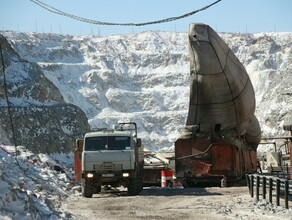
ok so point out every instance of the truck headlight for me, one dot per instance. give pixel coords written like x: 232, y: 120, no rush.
x: 89, y: 175
x: 126, y: 175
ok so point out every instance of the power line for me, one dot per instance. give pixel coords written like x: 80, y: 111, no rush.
x: 9, y: 109
x: 86, y: 20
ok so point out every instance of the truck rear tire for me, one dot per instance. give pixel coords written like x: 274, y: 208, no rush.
x: 87, y: 188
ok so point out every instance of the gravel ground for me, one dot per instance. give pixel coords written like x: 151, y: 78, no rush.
x: 167, y: 203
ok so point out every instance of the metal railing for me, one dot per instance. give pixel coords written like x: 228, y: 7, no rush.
x: 269, y: 184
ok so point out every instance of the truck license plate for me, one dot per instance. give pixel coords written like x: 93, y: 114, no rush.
x: 108, y: 175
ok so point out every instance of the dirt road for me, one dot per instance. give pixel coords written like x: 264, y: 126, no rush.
x: 168, y: 203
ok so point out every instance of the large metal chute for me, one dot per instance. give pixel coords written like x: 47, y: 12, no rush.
x: 221, y: 135
x: 222, y: 99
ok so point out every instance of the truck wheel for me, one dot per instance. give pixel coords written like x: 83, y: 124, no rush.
x: 87, y: 188
x: 133, y: 187
x: 97, y: 189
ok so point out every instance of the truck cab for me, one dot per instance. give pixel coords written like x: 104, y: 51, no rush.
x: 112, y: 157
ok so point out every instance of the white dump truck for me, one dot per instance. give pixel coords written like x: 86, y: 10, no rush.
x: 111, y: 157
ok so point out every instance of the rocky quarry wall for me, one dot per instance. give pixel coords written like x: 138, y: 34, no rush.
x: 143, y: 77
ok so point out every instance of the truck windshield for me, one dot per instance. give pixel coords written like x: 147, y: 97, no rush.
x: 107, y: 143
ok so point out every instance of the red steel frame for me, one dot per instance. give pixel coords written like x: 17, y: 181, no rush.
x: 202, y: 160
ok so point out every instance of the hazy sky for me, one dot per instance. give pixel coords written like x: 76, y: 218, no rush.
x: 238, y: 16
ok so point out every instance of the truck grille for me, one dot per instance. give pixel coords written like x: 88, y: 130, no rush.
x: 108, y: 166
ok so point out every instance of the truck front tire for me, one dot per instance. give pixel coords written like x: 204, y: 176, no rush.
x: 133, y: 187
x: 87, y: 188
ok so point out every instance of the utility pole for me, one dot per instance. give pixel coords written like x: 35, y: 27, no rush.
x: 36, y: 26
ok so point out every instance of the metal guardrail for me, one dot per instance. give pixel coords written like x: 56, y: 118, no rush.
x: 282, y: 187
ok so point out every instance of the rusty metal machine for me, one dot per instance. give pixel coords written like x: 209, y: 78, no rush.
x: 221, y: 135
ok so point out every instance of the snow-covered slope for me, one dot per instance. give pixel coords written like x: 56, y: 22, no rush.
x: 30, y: 188
x: 145, y: 77
x: 42, y: 120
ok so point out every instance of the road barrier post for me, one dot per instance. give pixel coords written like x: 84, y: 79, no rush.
x: 264, y: 187
x: 257, y: 188
x: 270, y: 190
x: 278, y: 184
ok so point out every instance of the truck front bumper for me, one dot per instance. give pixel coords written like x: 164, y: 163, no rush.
x: 107, y: 176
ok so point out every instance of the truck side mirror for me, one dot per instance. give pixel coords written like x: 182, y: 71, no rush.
x: 139, y: 142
